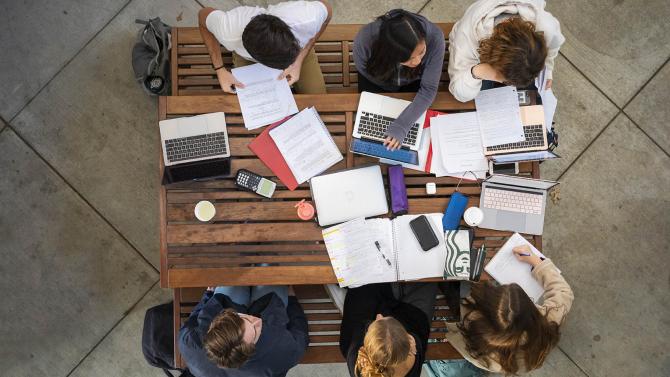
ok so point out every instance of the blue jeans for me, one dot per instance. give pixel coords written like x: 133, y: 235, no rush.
x: 246, y: 295
x: 452, y: 368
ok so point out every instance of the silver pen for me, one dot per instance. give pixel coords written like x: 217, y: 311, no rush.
x: 382, y: 253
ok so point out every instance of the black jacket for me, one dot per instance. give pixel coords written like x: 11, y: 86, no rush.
x: 362, y: 305
x: 283, y: 340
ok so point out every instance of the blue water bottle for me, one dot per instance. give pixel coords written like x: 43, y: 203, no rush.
x: 454, y: 212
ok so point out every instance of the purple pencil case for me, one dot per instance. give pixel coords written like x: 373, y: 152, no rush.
x: 399, y: 203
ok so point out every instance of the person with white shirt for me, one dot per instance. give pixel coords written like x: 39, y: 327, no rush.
x: 281, y: 36
x: 502, y: 41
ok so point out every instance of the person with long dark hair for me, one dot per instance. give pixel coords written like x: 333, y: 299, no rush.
x: 400, y: 52
x: 502, y: 330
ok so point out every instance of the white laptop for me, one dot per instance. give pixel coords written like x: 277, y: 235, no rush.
x: 514, y: 203
x: 377, y: 112
x: 349, y: 194
x: 196, y: 138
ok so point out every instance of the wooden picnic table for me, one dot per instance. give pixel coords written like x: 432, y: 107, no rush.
x: 249, y: 230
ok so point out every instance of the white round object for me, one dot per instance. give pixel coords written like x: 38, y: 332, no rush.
x: 473, y: 216
x: 204, y: 210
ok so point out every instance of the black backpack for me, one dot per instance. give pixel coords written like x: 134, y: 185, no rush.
x: 158, y: 340
x: 151, y: 57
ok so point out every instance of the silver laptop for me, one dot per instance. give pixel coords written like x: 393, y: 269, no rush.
x: 523, y: 157
x: 196, y: 138
x: 375, y: 114
x: 349, y: 194
x: 514, y: 203
x: 532, y: 118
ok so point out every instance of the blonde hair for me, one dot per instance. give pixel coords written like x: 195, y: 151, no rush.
x: 386, y: 345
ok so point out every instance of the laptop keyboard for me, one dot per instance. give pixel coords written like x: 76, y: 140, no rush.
x: 513, y: 200
x: 192, y: 147
x: 374, y: 126
x: 534, y: 138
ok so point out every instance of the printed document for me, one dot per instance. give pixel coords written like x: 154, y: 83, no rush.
x: 549, y: 101
x: 506, y: 269
x: 264, y: 99
x: 306, y: 145
x: 353, y: 254
x: 460, y: 142
x: 499, y: 116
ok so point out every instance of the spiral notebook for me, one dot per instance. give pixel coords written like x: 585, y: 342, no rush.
x: 356, y: 260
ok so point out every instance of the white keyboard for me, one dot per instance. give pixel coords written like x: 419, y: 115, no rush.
x: 515, y: 201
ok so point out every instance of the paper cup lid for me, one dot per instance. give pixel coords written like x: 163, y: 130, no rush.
x: 204, y: 210
x: 473, y: 216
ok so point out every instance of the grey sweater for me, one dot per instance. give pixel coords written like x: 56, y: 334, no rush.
x: 430, y: 78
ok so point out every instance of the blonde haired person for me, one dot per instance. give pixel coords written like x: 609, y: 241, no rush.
x: 502, y: 330
x: 385, y: 329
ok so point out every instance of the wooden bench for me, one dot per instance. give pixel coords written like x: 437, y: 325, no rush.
x: 324, y: 321
x: 193, y: 74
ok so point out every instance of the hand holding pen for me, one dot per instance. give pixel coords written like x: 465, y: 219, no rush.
x: 524, y: 254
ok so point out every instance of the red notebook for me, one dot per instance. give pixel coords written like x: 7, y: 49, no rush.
x: 266, y: 150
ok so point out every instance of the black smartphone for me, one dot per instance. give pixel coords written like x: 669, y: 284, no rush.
x: 424, y: 233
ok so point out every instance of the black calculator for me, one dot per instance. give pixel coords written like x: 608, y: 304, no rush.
x: 255, y: 183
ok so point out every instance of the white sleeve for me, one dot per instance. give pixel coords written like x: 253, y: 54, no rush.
x: 321, y: 15
x: 552, y: 31
x: 228, y: 26
x: 462, y: 56
x: 304, y: 17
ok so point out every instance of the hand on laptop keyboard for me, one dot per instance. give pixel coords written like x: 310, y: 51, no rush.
x: 391, y: 143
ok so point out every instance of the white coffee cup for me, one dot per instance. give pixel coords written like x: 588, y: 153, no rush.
x: 473, y: 216
x: 205, y: 211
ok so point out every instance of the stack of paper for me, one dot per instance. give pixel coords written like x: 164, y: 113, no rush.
x: 457, y: 146
x: 306, y: 145
x: 428, y: 149
x: 499, y: 116
x: 264, y: 99
x: 549, y: 100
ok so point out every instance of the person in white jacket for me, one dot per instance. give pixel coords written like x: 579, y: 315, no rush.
x: 505, y: 41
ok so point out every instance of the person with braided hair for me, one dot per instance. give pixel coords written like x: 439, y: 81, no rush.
x: 385, y: 329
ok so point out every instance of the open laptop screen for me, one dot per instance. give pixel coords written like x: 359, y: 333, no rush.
x: 509, y: 180
x: 524, y: 156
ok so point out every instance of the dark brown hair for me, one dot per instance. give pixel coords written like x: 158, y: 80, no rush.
x: 505, y: 325
x: 224, y: 342
x: 399, y: 33
x: 270, y: 41
x: 515, y: 50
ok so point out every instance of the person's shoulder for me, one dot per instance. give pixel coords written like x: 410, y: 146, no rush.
x: 298, y: 11
x: 433, y: 31
x: 368, y: 32
x: 188, y: 338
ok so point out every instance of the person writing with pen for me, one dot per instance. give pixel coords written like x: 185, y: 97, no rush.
x: 281, y: 37
x: 502, y: 330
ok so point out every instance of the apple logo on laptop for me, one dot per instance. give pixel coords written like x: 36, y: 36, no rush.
x: 349, y: 196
